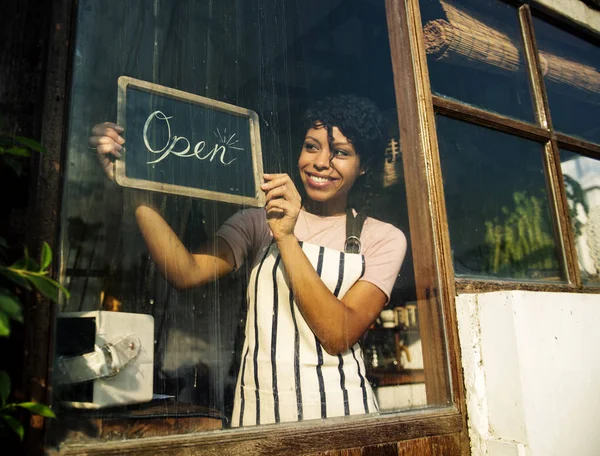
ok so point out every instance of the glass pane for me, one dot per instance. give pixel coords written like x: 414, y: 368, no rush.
x: 497, y: 204
x: 582, y: 184
x: 276, y: 59
x: 475, y: 55
x: 571, y: 68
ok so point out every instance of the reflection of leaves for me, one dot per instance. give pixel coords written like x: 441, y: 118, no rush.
x: 518, y: 243
x: 575, y: 197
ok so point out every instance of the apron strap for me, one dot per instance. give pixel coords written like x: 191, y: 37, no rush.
x: 353, y: 229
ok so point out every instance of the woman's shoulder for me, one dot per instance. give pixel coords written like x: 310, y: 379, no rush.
x: 377, y: 233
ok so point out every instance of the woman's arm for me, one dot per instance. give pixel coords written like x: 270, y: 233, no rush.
x: 337, y: 323
x: 181, y: 268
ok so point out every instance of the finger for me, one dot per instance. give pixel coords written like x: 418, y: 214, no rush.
x: 109, y: 129
x: 277, y: 192
x: 282, y: 205
x: 272, y: 177
x: 275, y: 180
x: 108, y: 149
x: 95, y: 141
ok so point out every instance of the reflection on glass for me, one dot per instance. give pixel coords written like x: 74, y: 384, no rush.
x: 571, y: 68
x: 275, y: 58
x: 475, y: 55
x: 582, y: 185
x: 498, y: 210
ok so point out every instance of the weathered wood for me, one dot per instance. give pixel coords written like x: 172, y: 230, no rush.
x: 419, y: 150
x: 484, y: 118
x: 302, y: 438
x: 554, y: 179
x: 484, y: 286
x: 578, y: 145
x: 44, y: 218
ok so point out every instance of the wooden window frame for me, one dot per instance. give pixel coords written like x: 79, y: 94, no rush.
x: 544, y: 133
x: 432, y: 261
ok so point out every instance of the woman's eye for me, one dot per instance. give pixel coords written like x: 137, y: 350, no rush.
x: 309, y: 146
x: 341, y: 153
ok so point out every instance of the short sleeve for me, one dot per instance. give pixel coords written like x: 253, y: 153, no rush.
x: 245, y: 232
x: 384, y: 248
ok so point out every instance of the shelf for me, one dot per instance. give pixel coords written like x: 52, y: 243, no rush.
x: 392, y: 377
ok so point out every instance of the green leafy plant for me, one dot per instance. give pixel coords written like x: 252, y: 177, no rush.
x: 14, y: 148
x: 518, y: 243
x: 25, y: 274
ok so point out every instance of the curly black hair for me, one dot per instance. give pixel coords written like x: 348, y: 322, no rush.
x: 358, y: 118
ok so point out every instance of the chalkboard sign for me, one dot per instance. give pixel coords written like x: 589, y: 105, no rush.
x: 185, y: 144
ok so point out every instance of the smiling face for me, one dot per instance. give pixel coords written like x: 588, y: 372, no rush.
x: 328, y: 171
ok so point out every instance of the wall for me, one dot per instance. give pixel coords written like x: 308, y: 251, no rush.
x: 532, y: 365
x: 575, y: 10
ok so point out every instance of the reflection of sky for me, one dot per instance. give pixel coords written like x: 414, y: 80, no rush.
x: 482, y: 169
x: 574, y: 110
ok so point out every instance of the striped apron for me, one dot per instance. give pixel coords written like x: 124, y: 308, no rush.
x: 285, y: 374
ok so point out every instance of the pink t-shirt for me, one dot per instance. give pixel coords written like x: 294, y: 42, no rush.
x: 383, y: 245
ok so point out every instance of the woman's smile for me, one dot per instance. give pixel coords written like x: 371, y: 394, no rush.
x: 328, y: 169
x: 319, y: 181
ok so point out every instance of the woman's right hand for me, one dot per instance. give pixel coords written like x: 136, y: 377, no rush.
x: 107, y: 142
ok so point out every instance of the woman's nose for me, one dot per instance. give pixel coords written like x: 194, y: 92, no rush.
x: 323, y: 159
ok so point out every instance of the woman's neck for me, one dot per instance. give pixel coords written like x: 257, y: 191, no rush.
x: 325, y: 209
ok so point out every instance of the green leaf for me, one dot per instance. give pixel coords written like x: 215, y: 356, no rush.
x: 48, y: 287
x: 38, y: 409
x: 31, y: 143
x: 18, y: 152
x: 15, y: 278
x: 45, y: 286
x: 11, y: 306
x: 4, y: 387
x: 27, y: 263
x: 4, y: 325
x: 14, y: 424
x: 46, y: 258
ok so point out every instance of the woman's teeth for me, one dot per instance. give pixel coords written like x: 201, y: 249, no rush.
x: 318, y: 179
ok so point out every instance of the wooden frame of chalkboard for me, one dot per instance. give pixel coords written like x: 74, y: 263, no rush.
x: 222, y: 166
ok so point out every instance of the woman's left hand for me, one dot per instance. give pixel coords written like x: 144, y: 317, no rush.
x: 283, y: 204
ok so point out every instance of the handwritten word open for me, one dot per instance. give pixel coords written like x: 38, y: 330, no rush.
x: 173, y: 141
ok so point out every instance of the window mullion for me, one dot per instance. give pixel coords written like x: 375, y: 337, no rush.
x: 427, y: 213
x: 554, y: 178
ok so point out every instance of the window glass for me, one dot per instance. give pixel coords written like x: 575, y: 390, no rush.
x: 475, y: 55
x: 497, y: 204
x: 190, y: 366
x: 570, y: 66
x: 582, y: 185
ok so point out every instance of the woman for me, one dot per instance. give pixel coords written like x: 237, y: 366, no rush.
x: 309, y: 303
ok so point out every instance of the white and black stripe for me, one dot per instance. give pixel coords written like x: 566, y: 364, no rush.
x: 285, y: 373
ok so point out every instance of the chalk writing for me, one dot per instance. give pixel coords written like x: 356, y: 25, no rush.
x: 186, y: 151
